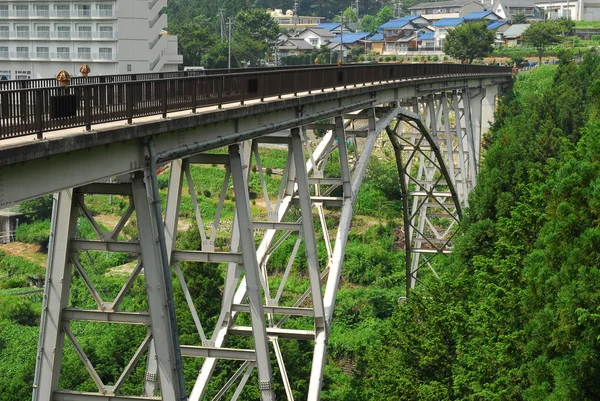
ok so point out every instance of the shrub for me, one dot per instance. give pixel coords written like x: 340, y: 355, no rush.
x: 18, y: 310
x: 163, y: 181
x: 37, y: 209
x: 37, y: 232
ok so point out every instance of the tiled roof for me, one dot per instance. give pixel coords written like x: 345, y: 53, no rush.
x: 396, y: 23
x: 426, y: 36
x: 496, y: 24
x: 477, y: 15
x: 378, y: 37
x: 448, y: 22
x: 515, y: 31
x: 351, y: 37
x: 442, y: 4
x: 330, y: 26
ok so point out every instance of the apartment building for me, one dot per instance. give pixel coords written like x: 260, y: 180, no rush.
x: 40, y: 38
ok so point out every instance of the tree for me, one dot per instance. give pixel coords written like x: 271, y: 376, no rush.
x: 349, y: 15
x: 542, y: 34
x: 369, y: 24
x: 195, y: 39
x: 519, y: 18
x: 384, y: 15
x: 469, y: 41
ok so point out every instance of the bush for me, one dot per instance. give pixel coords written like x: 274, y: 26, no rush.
x: 17, y: 267
x: 37, y: 232
x: 163, y: 181
x: 37, y: 209
x: 18, y: 310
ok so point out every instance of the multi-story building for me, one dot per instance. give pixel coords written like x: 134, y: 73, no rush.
x: 40, y: 38
x: 435, y: 11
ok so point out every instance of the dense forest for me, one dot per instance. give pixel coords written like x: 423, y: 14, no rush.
x: 515, y: 315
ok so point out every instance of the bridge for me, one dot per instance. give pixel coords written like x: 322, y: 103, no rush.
x: 73, y: 141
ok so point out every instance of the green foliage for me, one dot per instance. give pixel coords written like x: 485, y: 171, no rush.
x: 519, y: 18
x: 195, y: 39
x: 37, y: 232
x: 369, y: 24
x: 19, y: 311
x: 38, y: 208
x: 542, y: 34
x: 469, y: 41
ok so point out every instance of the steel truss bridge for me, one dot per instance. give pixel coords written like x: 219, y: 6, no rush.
x: 434, y: 115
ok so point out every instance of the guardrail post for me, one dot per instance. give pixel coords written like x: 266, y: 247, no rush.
x: 23, y: 101
x: 279, y: 88
x: 243, y: 89
x: 38, y: 107
x: 87, y: 107
x: 296, y: 83
x: 129, y: 102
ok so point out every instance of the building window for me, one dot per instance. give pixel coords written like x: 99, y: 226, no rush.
x: 42, y: 52
x: 84, y: 10
x: 85, y: 32
x: 128, y: 67
x: 22, y: 52
x: 63, y: 32
x: 41, y: 10
x: 4, y: 75
x: 21, y: 10
x: 105, y: 10
x: 84, y: 53
x: 42, y: 31
x: 3, y: 54
x: 3, y: 31
x: 314, y: 41
x: 22, y: 74
x: 62, y: 10
x: 105, y: 53
x: 106, y: 32
x: 62, y: 52
x: 22, y: 31
x: 4, y: 10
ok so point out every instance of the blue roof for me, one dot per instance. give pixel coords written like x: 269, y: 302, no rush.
x: 477, y: 15
x: 426, y: 36
x: 378, y: 37
x: 395, y: 23
x: 351, y: 37
x: 330, y: 26
x: 448, y: 22
x: 497, y: 24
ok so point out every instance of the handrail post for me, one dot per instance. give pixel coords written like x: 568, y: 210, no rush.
x: 38, y: 108
x: 87, y: 107
x: 243, y: 89
x: 194, y: 94
x: 129, y: 102
x: 164, y: 99
x: 221, y: 82
x: 279, y: 89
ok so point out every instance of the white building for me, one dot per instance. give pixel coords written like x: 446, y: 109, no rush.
x: 40, y: 38
x: 578, y: 10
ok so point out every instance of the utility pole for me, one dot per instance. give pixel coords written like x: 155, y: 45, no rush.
x: 229, y: 40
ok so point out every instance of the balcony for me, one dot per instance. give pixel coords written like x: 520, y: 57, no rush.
x: 58, y: 35
x: 58, y: 14
x: 95, y: 57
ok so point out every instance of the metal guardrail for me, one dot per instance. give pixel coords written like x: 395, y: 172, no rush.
x: 38, y: 110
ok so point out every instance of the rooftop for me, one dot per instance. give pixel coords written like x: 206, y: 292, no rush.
x: 396, y: 23
x: 351, y: 37
x: 515, y: 31
x: 378, y: 37
x: 448, y: 22
x: 497, y: 24
x: 426, y: 36
x: 479, y: 15
x: 329, y: 26
x: 440, y: 4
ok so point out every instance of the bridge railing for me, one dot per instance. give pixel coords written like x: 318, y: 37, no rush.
x: 38, y: 110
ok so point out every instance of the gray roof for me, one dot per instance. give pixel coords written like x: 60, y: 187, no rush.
x: 295, y: 43
x: 439, y: 4
x: 515, y: 31
x: 323, y: 33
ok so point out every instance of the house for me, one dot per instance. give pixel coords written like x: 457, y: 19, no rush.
x: 441, y: 29
x: 375, y: 43
x: 346, y: 41
x: 40, y: 38
x: 293, y: 47
x: 578, y: 10
x: 395, y: 32
x: 499, y: 27
x: 446, y: 9
x: 507, y: 9
x: 334, y: 27
x: 426, y: 41
x: 316, y: 36
x: 291, y: 21
x: 512, y: 36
